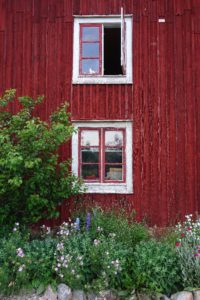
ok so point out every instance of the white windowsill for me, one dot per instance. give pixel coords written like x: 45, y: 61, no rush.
x: 110, y: 188
x: 108, y: 79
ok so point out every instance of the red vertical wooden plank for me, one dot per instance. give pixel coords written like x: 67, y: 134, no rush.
x: 52, y: 10
x: 27, y: 55
x: 179, y: 7
x: 171, y: 198
x: 154, y: 121
x: 60, y: 8
x: 196, y: 72
x: 51, y: 82
x: 42, y: 55
x: 2, y: 62
x: 161, y: 5
x: 76, y: 7
x: 68, y: 10
x: 163, y: 180
x: 190, y: 104
x: 9, y: 50
x: 35, y: 58
x: 180, y: 118
x: 3, y: 14
x: 18, y: 52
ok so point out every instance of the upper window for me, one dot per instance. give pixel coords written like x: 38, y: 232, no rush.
x: 102, y: 50
x: 102, y: 156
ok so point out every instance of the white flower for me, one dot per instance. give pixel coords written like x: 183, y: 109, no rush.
x: 99, y: 229
x: 21, y: 268
x: 96, y: 242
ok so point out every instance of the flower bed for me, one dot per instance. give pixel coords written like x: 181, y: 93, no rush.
x: 101, y: 251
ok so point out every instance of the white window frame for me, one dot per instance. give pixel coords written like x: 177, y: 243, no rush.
x: 102, y: 79
x: 102, y: 188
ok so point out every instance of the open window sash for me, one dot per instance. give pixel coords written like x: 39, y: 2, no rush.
x: 123, y: 42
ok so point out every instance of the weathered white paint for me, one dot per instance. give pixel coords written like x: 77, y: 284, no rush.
x: 161, y: 20
x: 101, y: 79
x: 114, y: 188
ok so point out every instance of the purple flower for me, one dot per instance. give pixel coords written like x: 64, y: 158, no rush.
x: 88, y: 221
x: 20, y: 252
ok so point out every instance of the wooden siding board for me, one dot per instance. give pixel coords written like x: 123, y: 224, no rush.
x: 180, y: 117
x: 153, y: 116
x: 163, y: 181
x: 18, y: 53
x: 2, y: 62
x: 171, y: 199
x: 27, y: 54
x: 3, y: 15
x: 190, y: 105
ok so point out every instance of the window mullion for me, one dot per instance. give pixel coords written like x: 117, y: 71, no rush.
x: 102, y: 154
x: 102, y: 50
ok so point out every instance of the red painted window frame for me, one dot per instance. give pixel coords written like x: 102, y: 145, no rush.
x: 80, y: 163
x: 90, y: 42
x: 123, y: 164
x: 102, y: 164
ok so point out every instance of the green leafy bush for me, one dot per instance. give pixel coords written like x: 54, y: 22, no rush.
x: 33, y: 180
x: 155, y: 267
x: 12, y: 261
x: 126, y: 231
x: 26, y: 263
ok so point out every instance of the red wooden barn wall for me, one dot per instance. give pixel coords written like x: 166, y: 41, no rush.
x: 164, y: 101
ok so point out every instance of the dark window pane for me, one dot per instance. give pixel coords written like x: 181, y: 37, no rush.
x: 90, y: 172
x: 113, y: 155
x: 90, y: 155
x: 89, y: 138
x: 90, y: 66
x: 90, y: 50
x: 90, y: 34
x: 112, y: 51
x: 113, y: 138
x: 113, y: 172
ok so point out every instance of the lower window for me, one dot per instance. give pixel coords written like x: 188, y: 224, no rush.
x: 102, y: 156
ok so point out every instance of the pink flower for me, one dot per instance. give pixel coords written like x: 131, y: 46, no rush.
x: 178, y: 244
x: 196, y: 254
x: 199, y: 251
x: 189, y: 228
x: 182, y: 234
x: 20, y: 252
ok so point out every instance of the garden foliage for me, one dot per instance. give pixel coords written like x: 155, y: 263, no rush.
x: 90, y: 253
x: 33, y: 180
x: 188, y: 250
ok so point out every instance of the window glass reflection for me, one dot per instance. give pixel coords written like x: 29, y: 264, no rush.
x: 89, y: 138
x: 90, y: 33
x: 113, y: 172
x: 90, y: 66
x: 114, y: 138
x: 90, y: 172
